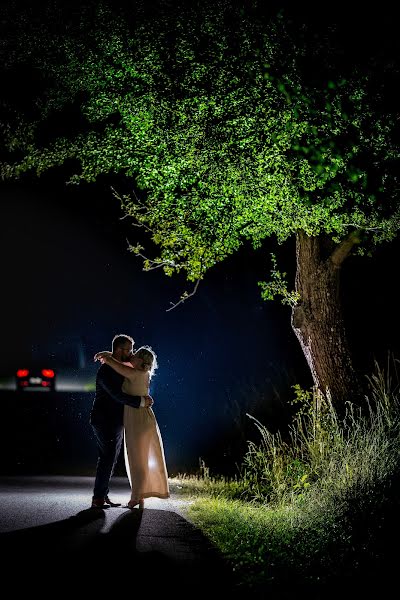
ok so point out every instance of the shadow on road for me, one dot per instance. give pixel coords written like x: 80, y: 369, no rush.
x: 156, y: 551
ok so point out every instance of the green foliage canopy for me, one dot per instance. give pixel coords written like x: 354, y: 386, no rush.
x: 211, y: 116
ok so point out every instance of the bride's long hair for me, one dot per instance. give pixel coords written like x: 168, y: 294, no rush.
x: 149, y: 357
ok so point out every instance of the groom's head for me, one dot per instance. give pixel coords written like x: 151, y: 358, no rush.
x: 122, y: 346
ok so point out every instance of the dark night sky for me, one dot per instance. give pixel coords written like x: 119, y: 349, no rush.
x: 66, y: 272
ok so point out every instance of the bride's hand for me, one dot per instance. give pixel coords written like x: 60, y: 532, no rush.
x: 101, y: 356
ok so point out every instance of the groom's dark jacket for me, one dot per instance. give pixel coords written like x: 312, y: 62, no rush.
x: 109, y: 399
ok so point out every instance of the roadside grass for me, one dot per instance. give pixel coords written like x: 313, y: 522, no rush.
x: 317, y: 508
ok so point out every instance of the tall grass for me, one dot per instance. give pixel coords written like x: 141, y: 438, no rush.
x: 314, y: 503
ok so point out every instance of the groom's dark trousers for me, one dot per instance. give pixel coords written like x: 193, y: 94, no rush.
x: 107, y: 421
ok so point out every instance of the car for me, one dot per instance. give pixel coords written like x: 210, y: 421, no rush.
x: 35, y: 379
x: 59, y: 365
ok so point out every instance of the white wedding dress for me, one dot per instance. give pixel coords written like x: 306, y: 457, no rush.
x: 143, y: 446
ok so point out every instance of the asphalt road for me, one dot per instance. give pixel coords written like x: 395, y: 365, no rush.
x: 53, y: 544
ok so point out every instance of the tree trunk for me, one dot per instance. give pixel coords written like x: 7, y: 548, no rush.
x: 318, y: 322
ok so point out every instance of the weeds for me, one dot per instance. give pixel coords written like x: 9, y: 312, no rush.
x: 316, y: 504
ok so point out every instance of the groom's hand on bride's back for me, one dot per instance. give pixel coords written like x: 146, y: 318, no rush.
x: 148, y: 401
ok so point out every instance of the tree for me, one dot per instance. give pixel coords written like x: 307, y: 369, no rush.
x: 219, y: 119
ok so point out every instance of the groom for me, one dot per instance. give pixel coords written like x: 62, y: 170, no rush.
x: 107, y: 419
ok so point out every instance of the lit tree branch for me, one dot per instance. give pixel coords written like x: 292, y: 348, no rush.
x: 151, y: 264
x: 344, y: 248
x: 184, y: 297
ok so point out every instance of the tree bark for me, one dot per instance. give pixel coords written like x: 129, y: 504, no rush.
x: 317, y: 319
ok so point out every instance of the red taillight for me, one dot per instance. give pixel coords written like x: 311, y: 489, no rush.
x: 45, y: 383
x: 48, y: 373
x: 22, y: 373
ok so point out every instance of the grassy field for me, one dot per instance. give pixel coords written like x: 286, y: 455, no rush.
x: 316, y: 512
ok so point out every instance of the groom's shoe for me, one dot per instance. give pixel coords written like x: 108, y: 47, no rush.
x: 107, y: 499
x: 100, y: 503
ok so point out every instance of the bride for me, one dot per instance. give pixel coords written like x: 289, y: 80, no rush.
x: 143, y: 446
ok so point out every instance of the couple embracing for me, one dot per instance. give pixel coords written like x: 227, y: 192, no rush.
x: 122, y: 414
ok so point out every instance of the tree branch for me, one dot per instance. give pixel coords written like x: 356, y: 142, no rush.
x: 184, y: 297
x: 342, y: 251
x: 153, y: 264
